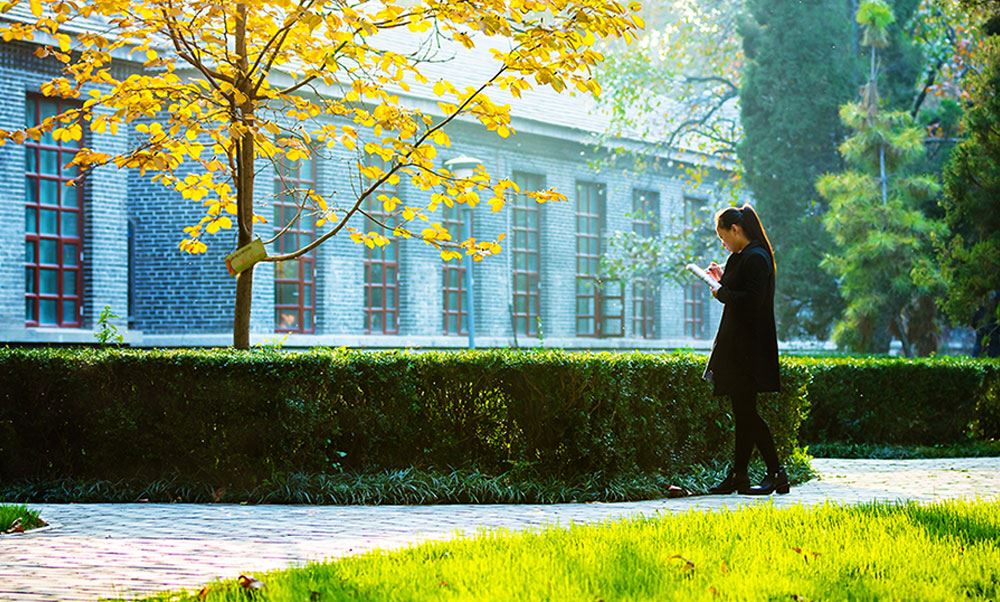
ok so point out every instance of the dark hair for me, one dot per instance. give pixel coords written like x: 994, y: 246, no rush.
x: 748, y: 220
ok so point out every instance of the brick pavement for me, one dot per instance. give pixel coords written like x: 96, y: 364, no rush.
x: 95, y: 550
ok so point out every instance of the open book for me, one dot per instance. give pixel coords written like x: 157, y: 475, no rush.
x: 700, y: 273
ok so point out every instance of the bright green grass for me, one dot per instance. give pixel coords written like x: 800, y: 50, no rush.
x: 11, y: 512
x: 873, y: 552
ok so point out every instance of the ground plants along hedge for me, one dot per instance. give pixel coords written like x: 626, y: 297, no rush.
x: 235, y: 419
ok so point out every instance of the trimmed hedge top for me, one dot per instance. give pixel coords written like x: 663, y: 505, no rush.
x: 242, y: 416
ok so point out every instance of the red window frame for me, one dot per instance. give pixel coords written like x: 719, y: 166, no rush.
x: 695, y: 294
x: 596, y: 299
x: 645, y: 297
x: 381, y: 309
x: 455, y: 313
x: 526, y: 216
x: 53, y: 255
x: 298, y: 275
x: 695, y: 301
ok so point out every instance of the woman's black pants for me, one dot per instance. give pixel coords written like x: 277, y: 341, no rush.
x: 751, y: 430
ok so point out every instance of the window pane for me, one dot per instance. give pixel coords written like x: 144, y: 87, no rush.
x: 29, y: 310
x: 70, y: 224
x: 30, y: 160
x: 68, y: 171
x: 29, y: 252
x: 30, y: 220
x: 377, y: 298
x: 29, y: 280
x: 288, y: 319
x: 307, y: 294
x: 46, y: 311
x: 69, y: 311
x: 48, y: 222
x: 70, y: 197
x: 288, y: 269
x: 288, y: 294
x: 70, y: 254
x: 377, y: 322
x: 375, y: 273
x: 47, y: 283
x: 307, y: 320
x: 47, y: 252
x: 69, y: 283
x: 49, y: 162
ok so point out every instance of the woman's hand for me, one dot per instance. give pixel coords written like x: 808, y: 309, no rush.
x: 715, y: 271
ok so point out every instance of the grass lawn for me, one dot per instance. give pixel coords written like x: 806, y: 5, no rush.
x: 872, y: 552
x: 11, y: 513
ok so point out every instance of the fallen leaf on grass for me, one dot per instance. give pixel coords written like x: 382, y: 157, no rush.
x: 724, y: 567
x: 674, y: 492
x: 248, y: 582
x: 15, y: 527
x: 806, y: 553
x: 687, y: 566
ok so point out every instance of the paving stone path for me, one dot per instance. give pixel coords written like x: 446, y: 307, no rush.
x: 100, y: 550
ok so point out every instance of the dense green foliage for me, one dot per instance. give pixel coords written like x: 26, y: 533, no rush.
x: 942, y: 551
x: 971, y: 256
x: 895, y: 401
x: 237, y: 418
x: 800, y: 68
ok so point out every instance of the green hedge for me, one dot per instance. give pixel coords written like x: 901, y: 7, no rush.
x: 900, y: 401
x: 240, y: 417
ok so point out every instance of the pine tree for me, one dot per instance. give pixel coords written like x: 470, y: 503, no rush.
x: 883, y: 240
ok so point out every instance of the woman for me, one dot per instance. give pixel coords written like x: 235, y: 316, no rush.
x: 744, y: 360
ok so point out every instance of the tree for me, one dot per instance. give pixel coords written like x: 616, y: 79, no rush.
x: 677, y: 89
x: 884, y: 241
x: 970, y: 257
x: 224, y: 85
x: 800, y: 68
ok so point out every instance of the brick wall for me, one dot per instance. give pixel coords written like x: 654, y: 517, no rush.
x: 183, y: 299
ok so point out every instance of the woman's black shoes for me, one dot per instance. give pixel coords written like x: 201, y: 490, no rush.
x: 773, y: 482
x: 732, y: 483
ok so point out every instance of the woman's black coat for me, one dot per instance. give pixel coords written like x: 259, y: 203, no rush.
x: 745, y: 351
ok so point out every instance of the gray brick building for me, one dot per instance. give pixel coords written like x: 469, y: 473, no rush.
x: 66, y: 253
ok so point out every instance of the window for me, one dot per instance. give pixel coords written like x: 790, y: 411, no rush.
x: 600, y: 305
x: 294, y: 280
x: 453, y: 275
x: 695, y: 294
x: 695, y: 302
x: 53, y: 225
x: 526, y: 254
x: 645, y: 294
x: 381, y: 273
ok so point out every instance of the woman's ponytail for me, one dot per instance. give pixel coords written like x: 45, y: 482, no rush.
x: 748, y: 219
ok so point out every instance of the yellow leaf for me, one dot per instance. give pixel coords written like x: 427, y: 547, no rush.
x: 36, y: 7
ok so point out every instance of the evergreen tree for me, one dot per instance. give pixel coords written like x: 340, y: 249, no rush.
x: 884, y: 240
x: 800, y: 68
x: 970, y: 258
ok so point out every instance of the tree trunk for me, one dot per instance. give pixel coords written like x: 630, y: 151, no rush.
x: 244, y: 191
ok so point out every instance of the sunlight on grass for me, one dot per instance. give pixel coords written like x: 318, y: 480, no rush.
x: 934, y: 552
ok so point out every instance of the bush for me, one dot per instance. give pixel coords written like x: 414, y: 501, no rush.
x: 237, y: 418
x: 901, y: 401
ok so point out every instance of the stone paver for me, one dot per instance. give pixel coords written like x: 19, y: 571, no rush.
x: 96, y: 550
